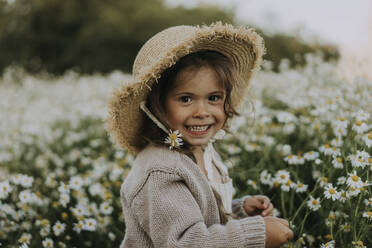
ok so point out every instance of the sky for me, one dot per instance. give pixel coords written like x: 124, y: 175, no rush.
x: 345, y: 23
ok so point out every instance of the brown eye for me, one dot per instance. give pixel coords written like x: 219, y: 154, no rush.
x: 185, y: 99
x: 214, y: 98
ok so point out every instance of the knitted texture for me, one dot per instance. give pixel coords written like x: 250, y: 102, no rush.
x: 168, y: 202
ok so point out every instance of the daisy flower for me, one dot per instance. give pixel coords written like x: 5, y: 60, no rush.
x: 48, y: 243
x: 361, y: 115
x: 294, y: 159
x: 360, y: 127
x: 337, y: 163
x: 25, y: 238
x: 265, y: 177
x: 360, y: 159
x: 345, y: 227
x: 311, y: 155
x: 5, y: 189
x: 341, y: 180
x: 326, y: 149
x: 323, y: 181
x: 78, y: 226
x: 354, y: 181
x: 337, y: 142
x: 358, y: 244
x: 330, y: 244
x: 353, y: 192
x: 288, y: 185
x: 282, y: 176
x: 76, y: 182
x: 368, y: 202
x: 313, y: 204
x: 367, y: 138
x: 59, y: 228
x: 26, y: 181
x: 300, y: 187
x: 330, y: 192
x: 106, y: 208
x: 368, y: 215
x: 252, y: 183
x: 174, y: 139
x: 90, y: 224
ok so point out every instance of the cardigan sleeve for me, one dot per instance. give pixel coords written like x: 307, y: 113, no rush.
x: 169, y: 214
x: 238, y: 207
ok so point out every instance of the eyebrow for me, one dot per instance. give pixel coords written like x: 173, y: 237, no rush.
x: 189, y: 93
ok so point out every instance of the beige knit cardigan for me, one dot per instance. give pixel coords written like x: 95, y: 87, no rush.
x: 168, y: 202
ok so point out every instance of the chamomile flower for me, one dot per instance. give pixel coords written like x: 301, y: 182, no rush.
x: 300, y: 187
x: 360, y: 159
x: 330, y: 192
x: 78, y: 227
x: 64, y: 199
x: 282, y: 176
x: 48, y: 243
x: 174, y: 139
x: 337, y: 162
x: 5, y: 189
x: 63, y: 188
x: 329, y: 244
x: 294, y: 159
x: 25, y: 238
x: 368, y: 215
x: 76, y: 182
x: 352, y: 191
x: 354, y: 180
x: 326, y: 149
x: 106, y: 208
x: 337, y: 142
x: 358, y: 244
x: 266, y: 178
x: 90, y: 224
x: 367, y: 138
x: 361, y: 115
x: 360, y: 127
x: 341, y: 180
x: 58, y: 228
x: 252, y: 183
x: 311, y: 155
x: 368, y: 202
x: 313, y: 204
x: 346, y: 227
x: 323, y: 181
x: 26, y: 181
x: 287, y: 185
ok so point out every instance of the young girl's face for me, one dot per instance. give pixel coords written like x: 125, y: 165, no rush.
x: 195, y: 105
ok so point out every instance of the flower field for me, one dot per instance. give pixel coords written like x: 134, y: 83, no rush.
x: 304, y: 138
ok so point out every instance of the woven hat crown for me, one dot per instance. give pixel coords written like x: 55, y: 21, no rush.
x: 158, y: 46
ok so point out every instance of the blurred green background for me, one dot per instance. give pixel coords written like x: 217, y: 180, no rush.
x: 104, y: 35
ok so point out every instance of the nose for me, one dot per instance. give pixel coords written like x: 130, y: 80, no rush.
x: 201, y: 110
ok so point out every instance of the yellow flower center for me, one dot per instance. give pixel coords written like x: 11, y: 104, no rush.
x: 360, y: 160
x: 173, y: 136
x: 314, y: 202
x: 332, y: 191
x: 289, y: 182
x: 326, y: 146
x: 282, y: 176
x: 369, y: 213
x: 5, y: 188
x: 360, y: 243
x: 343, y: 194
x: 339, y: 159
x: 334, y: 148
x: 332, y: 217
x: 358, y: 123
x: 276, y: 184
x: 370, y: 160
x: 300, y: 185
x: 311, y: 152
x: 325, y: 179
x: 290, y: 156
x: 355, y: 178
x: 342, y: 119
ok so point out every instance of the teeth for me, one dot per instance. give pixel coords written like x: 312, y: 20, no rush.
x: 198, y: 128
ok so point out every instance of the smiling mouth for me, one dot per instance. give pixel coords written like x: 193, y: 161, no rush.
x: 198, y: 130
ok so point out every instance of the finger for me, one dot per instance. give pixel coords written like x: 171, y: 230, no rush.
x: 283, y: 221
x: 254, y: 202
x: 269, y: 210
x: 289, y: 234
x: 265, y: 201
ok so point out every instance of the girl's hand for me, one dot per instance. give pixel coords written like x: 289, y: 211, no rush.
x: 258, y: 205
x: 277, y: 232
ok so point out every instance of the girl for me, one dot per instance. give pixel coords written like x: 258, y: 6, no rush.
x: 187, y: 83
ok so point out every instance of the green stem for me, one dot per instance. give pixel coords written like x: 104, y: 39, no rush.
x: 355, y: 214
x: 303, y: 203
x: 303, y: 222
x: 283, y: 204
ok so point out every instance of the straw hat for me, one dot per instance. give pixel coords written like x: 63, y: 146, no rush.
x: 242, y: 46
